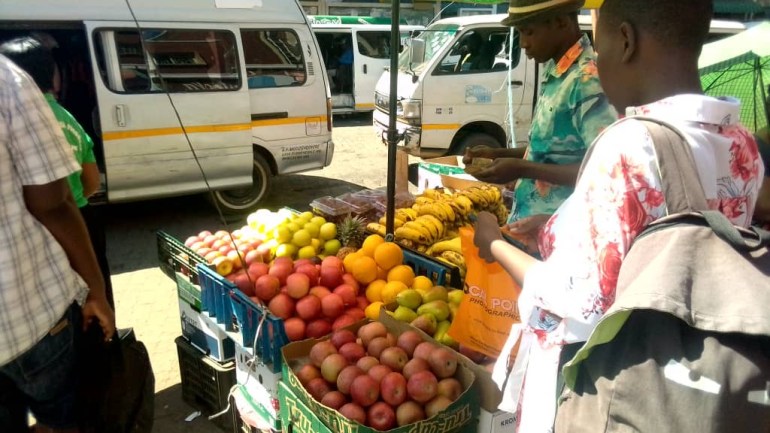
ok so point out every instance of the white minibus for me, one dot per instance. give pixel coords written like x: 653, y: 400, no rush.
x: 183, y: 95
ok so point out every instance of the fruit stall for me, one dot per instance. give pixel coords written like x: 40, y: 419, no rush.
x: 311, y: 321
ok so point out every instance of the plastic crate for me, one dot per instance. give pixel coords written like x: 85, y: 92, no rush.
x: 181, y: 265
x: 206, y: 383
x: 272, y: 335
x: 215, y: 296
x: 440, y: 273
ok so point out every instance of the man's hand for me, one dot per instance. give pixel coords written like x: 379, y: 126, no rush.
x: 527, y: 230
x: 482, y: 151
x: 486, y: 231
x: 97, y: 309
x: 501, y: 171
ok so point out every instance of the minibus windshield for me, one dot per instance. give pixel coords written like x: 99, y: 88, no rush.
x: 434, y: 38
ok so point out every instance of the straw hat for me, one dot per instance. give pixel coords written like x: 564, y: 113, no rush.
x: 524, y: 11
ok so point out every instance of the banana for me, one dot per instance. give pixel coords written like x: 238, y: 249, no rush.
x: 376, y: 228
x: 406, y: 243
x: 454, y: 257
x: 424, y: 200
x: 397, y: 222
x: 432, y: 229
x: 406, y: 214
x: 449, y: 213
x: 433, y: 193
x: 422, y: 229
x: 411, y: 234
x: 464, y: 203
x: 447, y: 245
x: 431, y: 219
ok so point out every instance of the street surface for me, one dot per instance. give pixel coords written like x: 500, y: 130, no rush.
x: 146, y: 299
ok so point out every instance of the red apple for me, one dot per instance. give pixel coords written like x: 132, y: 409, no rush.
x: 297, y: 285
x: 318, y: 328
x: 308, y: 308
x: 364, y: 390
x: 393, y: 388
x: 342, y: 337
x: 267, y: 287
x: 257, y: 269
x: 347, y: 293
x: 295, y: 328
x: 310, y: 270
x: 334, y: 400
x: 353, y: 412
x: 332, y: 305
x: 191, y: 241
x: 282, y: 306
x: 281, y: 272
x: 330, y: 276
x: 380, y: 416
x: 250, y: 256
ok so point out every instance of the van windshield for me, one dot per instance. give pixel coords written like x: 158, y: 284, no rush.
x: 435, y: 38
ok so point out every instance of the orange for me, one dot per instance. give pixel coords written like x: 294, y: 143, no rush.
x: 388, y: 255
x: 370, y: 244
x: 374, y: 290
x: 402, y: 273
x: 364, y: 270
x: 347, y: 262
x: 382, y: 274
x: 422, y: 283
x: 391, y: 290
x: 372, y: 311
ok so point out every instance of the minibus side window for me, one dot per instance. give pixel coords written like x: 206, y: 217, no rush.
x: 374, y: 44
x: 175, y: 61
x: 478, y: 52
x: 273, y: 58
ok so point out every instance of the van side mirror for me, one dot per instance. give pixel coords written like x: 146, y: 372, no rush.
x: 417, y: 51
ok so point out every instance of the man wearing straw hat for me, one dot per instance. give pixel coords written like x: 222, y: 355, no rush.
x: 571, y: 109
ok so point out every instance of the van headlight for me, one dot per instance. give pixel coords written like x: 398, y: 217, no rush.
x: 409, y: 110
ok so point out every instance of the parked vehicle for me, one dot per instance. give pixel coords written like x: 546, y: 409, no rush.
x: 184, y: 95
x: 450, y: 99
x: 356, y: 50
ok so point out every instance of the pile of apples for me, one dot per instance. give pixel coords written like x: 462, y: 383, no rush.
x: 229, y: 252
x: 312, y: 296
x: 380, y: 380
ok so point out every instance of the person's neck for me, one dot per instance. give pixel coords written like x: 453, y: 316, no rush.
x: 567, y: 43
x: 675, y: 78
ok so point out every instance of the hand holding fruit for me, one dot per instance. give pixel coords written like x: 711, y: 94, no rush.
x: 501, y: 170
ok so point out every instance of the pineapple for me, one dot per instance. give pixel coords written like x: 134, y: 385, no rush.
x: 351, y: 233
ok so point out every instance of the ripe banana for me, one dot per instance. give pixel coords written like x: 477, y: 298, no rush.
x: 435, y: 194
x: 406, y: 214
x: 448, y: 245
x: 417, y: 226
x: 424, y: 200
x: 376, y: 228
x: 463, y: 203
x: 411, y: 234
x: 454, y: 257
x: 437, y: 223
x: 397, y: 222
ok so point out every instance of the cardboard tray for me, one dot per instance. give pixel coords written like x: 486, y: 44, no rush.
x: 460, y: 417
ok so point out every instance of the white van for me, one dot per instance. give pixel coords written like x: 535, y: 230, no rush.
x: 352, y: 87
x: 446, y: 104
x: 239, y: 81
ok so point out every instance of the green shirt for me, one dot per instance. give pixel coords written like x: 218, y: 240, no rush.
x: 81, y: 144
x: 571, y: 111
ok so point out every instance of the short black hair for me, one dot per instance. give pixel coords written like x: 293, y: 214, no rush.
x: 682, y: 24
x: 36, y: 60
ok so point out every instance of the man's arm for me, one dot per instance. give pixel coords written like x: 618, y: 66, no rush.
x: 558, y: 174
x: 89, y: 177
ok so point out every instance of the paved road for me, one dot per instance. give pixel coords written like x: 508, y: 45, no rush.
x: 146, y: 298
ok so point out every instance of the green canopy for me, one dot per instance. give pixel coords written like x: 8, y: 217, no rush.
x: 739, y: 66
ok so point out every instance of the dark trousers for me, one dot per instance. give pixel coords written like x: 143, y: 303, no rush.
x: 94, y: 218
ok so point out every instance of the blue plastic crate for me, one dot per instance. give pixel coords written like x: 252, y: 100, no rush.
x: 215, y: 296
x: 272, y: 336
x: 441, y: 274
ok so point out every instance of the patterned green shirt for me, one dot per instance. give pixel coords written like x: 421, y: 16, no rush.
x: 81, y: 144
x: 570, y: 113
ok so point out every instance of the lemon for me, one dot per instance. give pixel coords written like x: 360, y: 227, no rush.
x: 282, y: 234
x: 306, y: 252
x: 327, y: 231
x: 318, y: 220
x: 301, y: 238
x: 285, y: 250
x: 313, y: 229
x: 332, y: 246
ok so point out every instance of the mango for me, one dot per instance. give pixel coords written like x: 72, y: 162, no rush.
x: 409, y: 298
x: 455, y: 296
x: 439, y: 310
x: 437, y: 293
x: 453, y: 312
x: 404, y: 314
x: 441, y: 329
x: 426, y: 323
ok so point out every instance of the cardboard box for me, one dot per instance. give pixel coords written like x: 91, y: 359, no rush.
x: 460, y: 417
x: 296, y: 416
x: 245, y: 418
x: 204, y: 333
x: 259, y: 386
x: 496, y: 422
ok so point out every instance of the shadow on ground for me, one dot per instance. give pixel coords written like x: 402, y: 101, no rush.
x: 171, y: 411
x: 133, y: 226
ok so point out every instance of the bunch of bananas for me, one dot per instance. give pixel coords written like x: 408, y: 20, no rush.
x: 449, y: 251
x: 487, y: 198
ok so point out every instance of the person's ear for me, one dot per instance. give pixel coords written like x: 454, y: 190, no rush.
x: 628, y: 37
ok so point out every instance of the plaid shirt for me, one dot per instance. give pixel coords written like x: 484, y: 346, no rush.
x: 37, y: 284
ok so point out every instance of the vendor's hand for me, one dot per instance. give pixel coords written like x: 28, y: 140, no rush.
x: 502, y: 170
x: 97, y: 309
x: 486, y: 231
x: 481, y: 151
x: 527, y: 230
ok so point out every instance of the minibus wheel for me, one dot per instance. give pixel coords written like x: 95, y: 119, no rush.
x: 244, y: 200
x: 472, y: 140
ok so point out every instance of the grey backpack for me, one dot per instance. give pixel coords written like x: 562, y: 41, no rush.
x: 686, y: 345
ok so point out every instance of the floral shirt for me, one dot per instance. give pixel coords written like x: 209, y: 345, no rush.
x: 585, y: 241
x: 571, y: 111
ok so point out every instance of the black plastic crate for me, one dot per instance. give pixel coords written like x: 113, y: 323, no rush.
x: 442, y: 274
x: 206, y: 383
x: 174, y: 257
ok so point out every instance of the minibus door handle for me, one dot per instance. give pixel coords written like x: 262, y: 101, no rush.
x: 517, y: 83
x: 364, y: 68
x: 120, y: 115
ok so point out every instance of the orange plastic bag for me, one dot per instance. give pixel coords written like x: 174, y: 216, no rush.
x: 489, y: 307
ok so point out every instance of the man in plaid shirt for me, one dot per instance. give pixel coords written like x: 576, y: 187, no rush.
x: 50, y: 283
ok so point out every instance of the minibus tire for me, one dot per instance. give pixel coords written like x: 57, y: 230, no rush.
x: 243, y: 200
x: 472, y: 140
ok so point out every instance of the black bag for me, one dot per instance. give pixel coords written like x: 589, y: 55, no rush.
x: 117, y: 387
x: 686, y: 345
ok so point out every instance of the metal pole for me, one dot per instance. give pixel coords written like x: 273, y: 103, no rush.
x: 395, y: 45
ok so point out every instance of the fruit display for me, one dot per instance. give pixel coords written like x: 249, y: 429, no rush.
x: 436, y: 216
x: 380, y: 379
